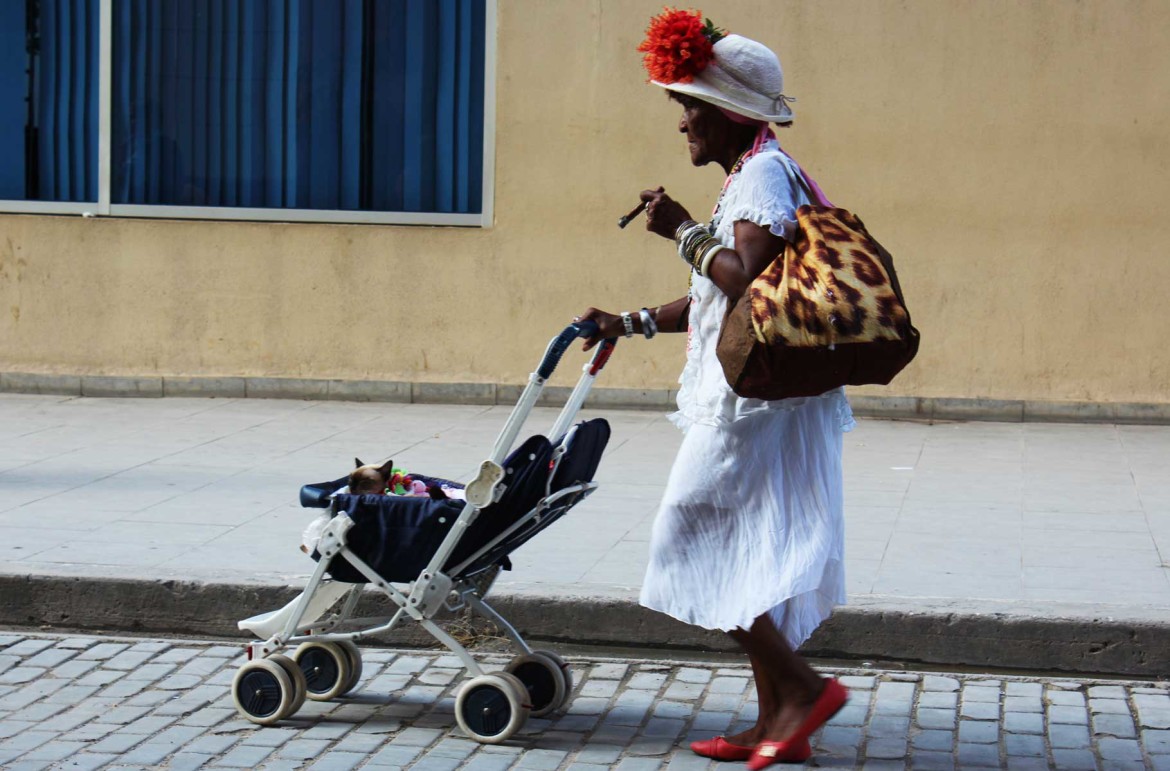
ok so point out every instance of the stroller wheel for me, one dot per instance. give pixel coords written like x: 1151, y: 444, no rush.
x: 566, y: 673
x: 262, y: 691
x: 543, y: 678
x: 355, y: 664
x: 326, y: 668
x: 300, y: 687
x: 492, y: 708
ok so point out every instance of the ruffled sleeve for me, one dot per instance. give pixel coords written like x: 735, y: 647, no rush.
x: 767, y: 193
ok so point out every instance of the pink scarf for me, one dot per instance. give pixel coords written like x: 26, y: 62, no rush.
x: 763, y: 134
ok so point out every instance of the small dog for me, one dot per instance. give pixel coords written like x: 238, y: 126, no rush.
x: 370, y: 477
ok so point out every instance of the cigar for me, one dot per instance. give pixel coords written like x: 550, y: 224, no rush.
x: 626, y: 219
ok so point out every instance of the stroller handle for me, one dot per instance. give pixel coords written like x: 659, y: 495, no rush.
x: 560, y: 343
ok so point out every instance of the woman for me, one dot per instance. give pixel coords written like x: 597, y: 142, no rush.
x: 749, y: 537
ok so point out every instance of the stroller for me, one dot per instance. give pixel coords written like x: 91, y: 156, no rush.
x: 427, y: 555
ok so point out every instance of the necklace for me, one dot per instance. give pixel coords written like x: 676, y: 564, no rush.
x: 735, y: 169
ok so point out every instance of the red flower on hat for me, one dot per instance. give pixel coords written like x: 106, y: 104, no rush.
x: 678, y: 45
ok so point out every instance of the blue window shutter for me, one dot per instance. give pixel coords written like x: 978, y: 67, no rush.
x: 47, y: 100
x: 350, y: 150
x: 476, y: 59
x: 314, y: 104
x: 387, y: 130
x: 419, y: 117
x: 445, y: 96
x: 66, y: 98
x: 79, y: 169
x: 463, y: 137
x: 13, y: 109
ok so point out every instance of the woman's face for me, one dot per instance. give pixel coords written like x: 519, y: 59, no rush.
x: 704, y: 126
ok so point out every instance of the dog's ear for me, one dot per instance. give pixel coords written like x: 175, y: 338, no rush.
x: 387, y: 469
x: 357, y: 463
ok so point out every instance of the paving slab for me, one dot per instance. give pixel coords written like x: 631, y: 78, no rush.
x: 613, y: 719
x: 992, y: 539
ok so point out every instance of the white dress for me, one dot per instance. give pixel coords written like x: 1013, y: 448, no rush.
x: 752, y: 518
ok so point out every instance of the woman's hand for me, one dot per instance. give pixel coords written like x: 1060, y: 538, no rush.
x: 663, y: 213
x: 608, y: 325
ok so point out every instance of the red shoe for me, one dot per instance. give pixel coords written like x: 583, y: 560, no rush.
x: 721, y: 749
x: 832, y: 699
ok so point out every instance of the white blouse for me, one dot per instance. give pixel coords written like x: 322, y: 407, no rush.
x: 766, y: 191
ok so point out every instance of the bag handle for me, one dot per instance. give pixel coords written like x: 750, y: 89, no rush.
x: 813, y: 193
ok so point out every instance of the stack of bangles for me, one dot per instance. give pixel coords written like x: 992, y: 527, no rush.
x: 646, y: 316
x: 697, y: 246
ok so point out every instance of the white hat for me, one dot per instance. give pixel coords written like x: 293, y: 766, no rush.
x: 744, y: 77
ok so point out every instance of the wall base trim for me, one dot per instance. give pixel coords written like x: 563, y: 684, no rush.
x: 402, y: 392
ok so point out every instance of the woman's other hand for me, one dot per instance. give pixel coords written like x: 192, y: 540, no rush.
x: 608, y: 325
x: 663, y: 213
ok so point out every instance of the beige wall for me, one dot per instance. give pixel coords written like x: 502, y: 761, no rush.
x: 1013, y: 155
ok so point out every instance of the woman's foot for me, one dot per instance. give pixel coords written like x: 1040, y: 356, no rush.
x: 777, y: 725
x: 750, y: 737
x: 721, y: 748
x: 786, y: 736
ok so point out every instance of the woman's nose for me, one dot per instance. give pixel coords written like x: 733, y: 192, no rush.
x: 682, y: 125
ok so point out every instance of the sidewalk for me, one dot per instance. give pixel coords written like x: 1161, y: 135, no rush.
x: 72, y: 703
x: 976, y: 542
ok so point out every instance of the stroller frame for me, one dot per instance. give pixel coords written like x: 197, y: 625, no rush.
x: 536, y: 682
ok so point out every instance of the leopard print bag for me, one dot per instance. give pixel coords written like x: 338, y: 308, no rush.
x: 828, y: 312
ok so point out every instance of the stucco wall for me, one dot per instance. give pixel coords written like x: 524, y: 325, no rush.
x: 1012, y: 155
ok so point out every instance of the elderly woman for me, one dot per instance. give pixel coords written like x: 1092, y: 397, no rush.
x: 749, y: 536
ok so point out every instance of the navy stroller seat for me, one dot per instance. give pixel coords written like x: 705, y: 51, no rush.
x: 397, y: 536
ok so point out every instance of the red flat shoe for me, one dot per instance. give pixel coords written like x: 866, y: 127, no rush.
x: 721, y: 749
x: 832, y: 699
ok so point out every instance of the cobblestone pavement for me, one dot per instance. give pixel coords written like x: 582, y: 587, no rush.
x: 71, y: 702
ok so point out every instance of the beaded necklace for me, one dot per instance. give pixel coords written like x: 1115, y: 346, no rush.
x: 735, y: 169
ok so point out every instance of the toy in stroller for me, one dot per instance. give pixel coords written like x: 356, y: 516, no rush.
x: 426, y: 555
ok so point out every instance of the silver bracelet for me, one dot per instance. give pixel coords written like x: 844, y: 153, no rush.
x: 628, y: 323
x: 649, y: 328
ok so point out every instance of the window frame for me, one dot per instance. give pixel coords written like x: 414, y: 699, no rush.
x: 104, y: 208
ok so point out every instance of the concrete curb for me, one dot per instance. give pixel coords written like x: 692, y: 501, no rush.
x: 1098, y: 641
x: 403, y: 392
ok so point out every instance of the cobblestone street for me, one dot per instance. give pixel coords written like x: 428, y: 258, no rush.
x: 72, y: 702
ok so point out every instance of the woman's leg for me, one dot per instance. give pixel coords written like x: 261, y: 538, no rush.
x: 767, y: 698
x: 786, y: 684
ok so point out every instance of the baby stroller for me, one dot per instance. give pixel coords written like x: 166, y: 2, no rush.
x: 427, y: 555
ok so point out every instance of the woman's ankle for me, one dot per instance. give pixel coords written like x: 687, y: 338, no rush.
x: 808, y: 691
